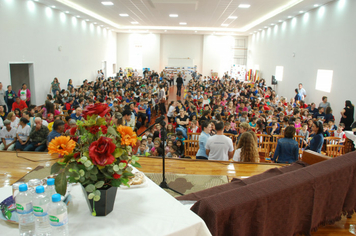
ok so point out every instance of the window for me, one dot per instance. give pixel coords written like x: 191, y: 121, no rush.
x: 324, y: 80
x: 279, y: 73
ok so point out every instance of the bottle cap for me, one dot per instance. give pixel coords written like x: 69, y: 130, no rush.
x: 39, y: 189
x: 50, y: 181
x: 23, y: 187
x: 56, y: 197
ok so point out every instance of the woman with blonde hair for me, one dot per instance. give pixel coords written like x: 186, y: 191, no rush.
x: 13, y: 119
x: 247, y: 149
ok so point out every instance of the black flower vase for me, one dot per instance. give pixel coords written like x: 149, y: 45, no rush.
x: 106, y: 203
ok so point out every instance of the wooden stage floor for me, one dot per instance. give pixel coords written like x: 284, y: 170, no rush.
x: 13, y: 168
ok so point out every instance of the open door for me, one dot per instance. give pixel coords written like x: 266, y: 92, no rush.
x: 21, y: 73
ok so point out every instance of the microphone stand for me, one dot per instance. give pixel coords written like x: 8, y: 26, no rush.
x: 164, y: 183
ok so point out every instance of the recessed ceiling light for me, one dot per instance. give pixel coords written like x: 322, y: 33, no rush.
x: 87, y: 20
x: 173, y: 15
x: 78, y: 16
x: 244, y: 6
x: 107, y: 3
x: 265, y: 27
x: 195, y: 31
x: 280, y: 21
x: 301, y: 11
x: 134, y: 22
x: 182, y: 23
x: 272, y: 24
x: 224, y: 24
x: 95, y: 23
x: 165, y: 30
x: 66, y: 12
x: 316, y: 5
x: 101, y: 25
x: 53, y: 6
x: 289, y: 17
x: 232, y: 17
x: 36, y: 0
x: 260, y: 29
x: 123, y: 15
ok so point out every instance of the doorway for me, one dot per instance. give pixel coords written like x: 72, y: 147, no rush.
x: 103, y: 67
x: 21, y: 73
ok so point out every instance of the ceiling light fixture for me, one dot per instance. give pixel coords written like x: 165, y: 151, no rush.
x: 289, y: 17
x: 134, y: 22
x: 95, y: 23
x: 272, y: 24
x: 232, y: 17
x: 78, y: 16
x: 244, y: 6
x: 195, y: 31
x: 165, y: 30
x: 87, y: 20
x: 101, y: 25
x: 66, y: 12
x: 123, y: 15
x: 53, y: 6
x: 316, y: 5
x: 182, y: 23
x: 107, y: 3
x: 301, y: 11
x: 225, y: 25
x: 173, y: 15
x: 280, y: 21
x: 265, y: 27
x: 36, y: 0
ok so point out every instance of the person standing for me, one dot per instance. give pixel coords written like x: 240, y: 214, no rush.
x: 2, y: 98
x: 25, y: 94
x: 10, y: 96
x: 324, y: 104
x: 347, y: 115
x: 55, y: 86
x: 287, y: 150
x: 203, y: 139
x: 302, y: 91
x: 162, y: 99
x: 179, y: 82
x: 219, y: 147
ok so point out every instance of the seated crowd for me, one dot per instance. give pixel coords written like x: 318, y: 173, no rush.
x: 210, y: 108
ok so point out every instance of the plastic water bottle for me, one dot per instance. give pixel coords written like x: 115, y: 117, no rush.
x: 50, y: 189
x: 40, y: 204
x: 24, y: 209
x: 58, y: 217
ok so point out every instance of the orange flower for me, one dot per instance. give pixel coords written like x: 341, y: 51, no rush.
x: 62, y: 145
x: 128, y: 137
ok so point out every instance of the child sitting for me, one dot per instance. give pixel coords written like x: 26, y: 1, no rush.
x: 180, y: 137
x: 325, y: 130
x: 158, y: 152
x: 228, y: 130
x: 194, y: 128
x: 274, y: 130
x: 332, y: 125
x: 297, y: 123
x: 243, y: 117
x: 253, y: 122
x: 175, y: 155
x: 180, y: 148
x: 340, y: 133
x: 157, y: 144
x: 170, y: 129
x: 305, y: 133
x: 150, y: 143
x: 232, y: 123
x: 142, y: 150
x: 168, y: 146
x: 172, y: 150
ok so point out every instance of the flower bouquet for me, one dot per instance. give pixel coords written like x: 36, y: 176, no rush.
x: 96, y: 155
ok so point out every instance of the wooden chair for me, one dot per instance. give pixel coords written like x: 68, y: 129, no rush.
x: 232, y: 136
x: 335, y: 150
x: 193, y: 136
x: 332, y: 140
x: 299, y: 139
x: 264, y: 144
x: 268, y: 129
x: 191, y: 148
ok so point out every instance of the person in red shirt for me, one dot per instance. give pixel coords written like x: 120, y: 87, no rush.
x: 20, y: 104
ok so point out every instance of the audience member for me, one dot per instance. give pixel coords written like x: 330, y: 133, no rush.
x: 219, y: 147
x: 287, y: 150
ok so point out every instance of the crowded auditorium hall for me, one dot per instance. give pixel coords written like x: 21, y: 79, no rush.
x: 195, y: 117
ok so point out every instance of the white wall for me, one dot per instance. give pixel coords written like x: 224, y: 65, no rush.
x: 130, y: 44
x: 182, y: 46
x: 323, y: 38
x: 31, y: 32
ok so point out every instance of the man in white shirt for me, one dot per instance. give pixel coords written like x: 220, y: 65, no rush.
x: 8, y: 137
x: 302, y: 91
x: 219, y: 147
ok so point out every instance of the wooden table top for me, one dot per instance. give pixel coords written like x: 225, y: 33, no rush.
x: 13, y: 166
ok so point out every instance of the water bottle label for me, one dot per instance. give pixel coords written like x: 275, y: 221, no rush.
x: 58, y: 220
x: 40, y: 211
x: 24, y: 208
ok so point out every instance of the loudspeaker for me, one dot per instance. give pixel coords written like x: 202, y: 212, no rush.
x: 274, y: 81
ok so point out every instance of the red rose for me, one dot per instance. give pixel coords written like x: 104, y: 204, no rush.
x: 73, y: 130
x: 96, y: 109
x: 76, y: 155
x: 100, y: 151
x: 104, y: 129
x: 116, y: 176
x: 94, y: 129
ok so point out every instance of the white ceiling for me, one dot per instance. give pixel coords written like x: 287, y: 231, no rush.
x: 203, y: 16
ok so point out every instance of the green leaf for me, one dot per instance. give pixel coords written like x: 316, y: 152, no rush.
x: 90, y: 188
x: 68, y: 157
x: 116, y: 182
x: 91, y: 195
x: 127, y: 174
x: 99, y: 184
x: 94, y: 171
x: 96, y: 198
x: 112, y: 131
x: 61, y: 183
x: 122, y: 165
x: 135, y: 158
x: 139, y: 138
x: 125, y: 181
x: 101, y: 121
x: 97, y: 193
x: 93, y: 177
x: 116, y: 168
x: 81, y: 172
x: 87, y: 163
x: 118, y: 152
x: 56, y: 167
x: 136, y: 164
x: 147, y: 154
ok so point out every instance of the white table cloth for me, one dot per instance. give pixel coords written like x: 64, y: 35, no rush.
x: 146, y: 211
x: 350, y: 135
